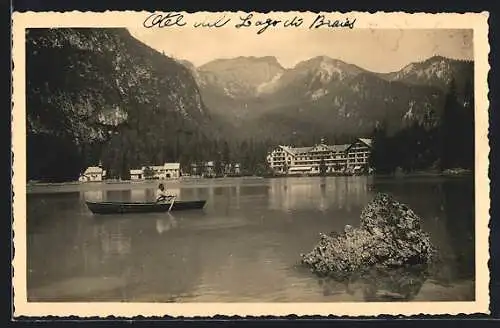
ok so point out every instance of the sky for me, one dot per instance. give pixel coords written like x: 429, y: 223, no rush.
x: 378, y: 50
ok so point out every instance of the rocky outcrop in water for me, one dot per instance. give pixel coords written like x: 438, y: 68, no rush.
x: 389, y: 236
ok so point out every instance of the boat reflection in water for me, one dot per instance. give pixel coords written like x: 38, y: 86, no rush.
x: 166, y: 224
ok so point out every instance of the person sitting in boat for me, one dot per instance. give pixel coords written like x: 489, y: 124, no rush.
x: 161, y: 193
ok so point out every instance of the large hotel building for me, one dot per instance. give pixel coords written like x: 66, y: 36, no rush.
x: 346, y: 158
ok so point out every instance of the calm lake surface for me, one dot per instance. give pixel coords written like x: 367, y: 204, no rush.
x: 244, y: 246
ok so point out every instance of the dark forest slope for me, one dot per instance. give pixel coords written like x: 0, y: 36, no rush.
x: 99, y: 94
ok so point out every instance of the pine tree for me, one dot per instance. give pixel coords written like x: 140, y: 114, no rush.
x: 226, y: 158
x: 218, y: 167
x: 243, y: 149
x: 468, y: 127
x: 450, y: 148
x: 148, y: 172
x: 125, y: 169
x: 380, y: 158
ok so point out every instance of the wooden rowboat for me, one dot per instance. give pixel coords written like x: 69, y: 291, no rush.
x: 143, y: 207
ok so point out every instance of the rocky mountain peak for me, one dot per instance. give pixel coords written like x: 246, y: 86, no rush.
x: 231, y: 63
x: 435, y: 71
x: 239, y: 77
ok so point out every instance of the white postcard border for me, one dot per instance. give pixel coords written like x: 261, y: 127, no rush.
x: 380, y: 20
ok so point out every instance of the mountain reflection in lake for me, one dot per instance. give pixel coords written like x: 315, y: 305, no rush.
x: 244, y: 246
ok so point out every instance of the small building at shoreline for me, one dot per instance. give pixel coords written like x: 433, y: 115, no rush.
x: 136, y: 174
x: 172, y: 170
x: 161, y: 172
x: 93, y: 173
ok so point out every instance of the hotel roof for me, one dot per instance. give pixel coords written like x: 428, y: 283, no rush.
x: 172, y: 166
x: 339, y: 148
x: 299, y: 150
x: 366, y: 141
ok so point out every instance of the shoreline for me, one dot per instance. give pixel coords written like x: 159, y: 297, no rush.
x: 458, y: 173
x: 132, y: 182
x: 249, y: 181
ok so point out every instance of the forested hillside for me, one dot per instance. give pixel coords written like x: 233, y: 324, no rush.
x: 100, y: 95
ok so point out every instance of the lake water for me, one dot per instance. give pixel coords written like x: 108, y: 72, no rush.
x: 244, y: 246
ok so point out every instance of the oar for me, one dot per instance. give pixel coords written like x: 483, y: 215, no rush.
x: 172, y: 203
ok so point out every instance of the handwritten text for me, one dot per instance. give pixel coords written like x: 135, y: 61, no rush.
x: 268, y: 22
x: 322, y: 21
x: 261, y: 22
x: 164, y: 20
x: 220, y: 22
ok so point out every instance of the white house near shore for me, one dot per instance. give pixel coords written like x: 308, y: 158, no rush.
x: 136, y: 174
x: 160, y: 172
x: 172, y: 170
x: 93, y: 173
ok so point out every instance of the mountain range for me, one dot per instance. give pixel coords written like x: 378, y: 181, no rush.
x: 257, y: 97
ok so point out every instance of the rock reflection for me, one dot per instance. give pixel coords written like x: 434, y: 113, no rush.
x: 396, y: 285
x: 402, y: 284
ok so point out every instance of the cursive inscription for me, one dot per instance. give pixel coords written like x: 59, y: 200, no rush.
x: 268, y: 22
x: 222, y: 21
x: 261, y: 22
x: 322, y: 21
x: 294, y: 22
x: 164, y: 20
